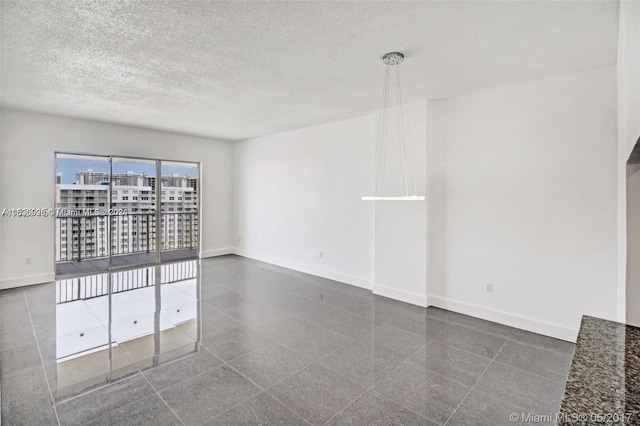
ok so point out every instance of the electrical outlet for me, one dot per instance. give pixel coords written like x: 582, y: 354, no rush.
x: 27, y: 261
x: 321, y: 255
x: 239, y: 239
x: 488, y: 287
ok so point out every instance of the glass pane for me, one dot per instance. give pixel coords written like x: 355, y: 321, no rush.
x: 179, y: 211
x: 82, y: 198
x: 133, y: 206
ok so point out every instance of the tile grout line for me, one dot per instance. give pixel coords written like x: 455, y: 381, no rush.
x: 511, y: 334
x: 222, y: 364
x: 322, y: 302
x: 526, y: 371
x: 281, y: 311
x: 161, y: 398
x: 386, y: 375
x: 508, y: 339
x: 406, y: 408
x: 319, y: 325
x: 303, y: 278
x: 449, y: 323
x: 315, y: 361
x: 348, y: 405
x: 388, y: 322
x: 405, y: 310
x: 263, y: 390
x: 491, y: 360
x: 98, y: 387
x: 407, y: 361
x: 522, y: 409
x: 306, y: 281
x: 44, y: 370
x: 478, y: 380
x: 278, y: 341
x: 307, y: 320
x: 540, y: 348
x: 456, y: 321
x: 371, y: 387
x: 319, y: 362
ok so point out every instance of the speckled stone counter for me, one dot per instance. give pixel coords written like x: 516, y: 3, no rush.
x: 603, y: 386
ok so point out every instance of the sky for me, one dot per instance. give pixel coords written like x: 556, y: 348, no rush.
x: 69, y: 166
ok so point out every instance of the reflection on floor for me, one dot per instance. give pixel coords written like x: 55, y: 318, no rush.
x: 148, y: 324
x: 235, y: 341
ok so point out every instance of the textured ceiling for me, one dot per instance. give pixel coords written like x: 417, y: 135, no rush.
x: 234, y: 70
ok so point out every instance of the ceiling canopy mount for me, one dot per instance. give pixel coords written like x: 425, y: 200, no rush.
x: 393, y: 58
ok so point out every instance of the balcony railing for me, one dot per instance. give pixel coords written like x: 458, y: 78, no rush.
x: 88, y: 287
x: 89, y: 237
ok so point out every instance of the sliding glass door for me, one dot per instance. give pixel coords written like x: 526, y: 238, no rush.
x: 120, y: 212
x: 178, y: 211
x: 133, y: 212
x: 81, y: 220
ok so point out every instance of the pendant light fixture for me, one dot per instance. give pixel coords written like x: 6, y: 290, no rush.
x: 407, y: 190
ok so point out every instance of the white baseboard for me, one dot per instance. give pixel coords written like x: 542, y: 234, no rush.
x: 307, y: 269
x: 217, y: 252
x: 27, y: 280
x: 506, y: 318
x: 403, y: 296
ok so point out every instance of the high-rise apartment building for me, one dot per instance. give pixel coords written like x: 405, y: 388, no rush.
x: 84, y: 211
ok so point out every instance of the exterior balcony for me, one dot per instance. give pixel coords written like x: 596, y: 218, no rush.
x: 132, y: 241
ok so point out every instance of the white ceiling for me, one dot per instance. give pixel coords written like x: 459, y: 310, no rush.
x: 234, y: 70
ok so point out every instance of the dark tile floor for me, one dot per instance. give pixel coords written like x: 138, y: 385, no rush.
x: 281, y: 347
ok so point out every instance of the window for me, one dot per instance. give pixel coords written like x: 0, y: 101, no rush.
x: 133, y: 191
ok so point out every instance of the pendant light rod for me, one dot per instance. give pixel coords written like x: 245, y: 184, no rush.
x: 392, y: 59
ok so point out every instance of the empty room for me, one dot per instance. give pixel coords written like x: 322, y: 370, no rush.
x: 319, y: 212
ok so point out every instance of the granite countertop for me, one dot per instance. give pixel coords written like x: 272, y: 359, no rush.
x: 603, y: 386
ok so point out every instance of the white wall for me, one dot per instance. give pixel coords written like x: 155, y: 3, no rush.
x: 1, y: 198
x: 632, y: 290
x: 401, y: 226
x: 628, y: 133
x: 27, y: 180
x: 629, y: 74
x: 298, y: 194
x: 523, y: 195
